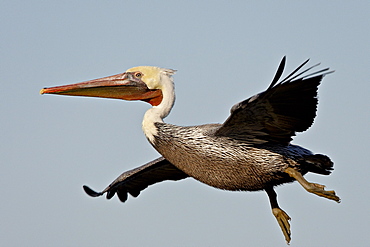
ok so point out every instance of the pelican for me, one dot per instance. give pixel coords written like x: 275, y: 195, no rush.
x: 250, y: 151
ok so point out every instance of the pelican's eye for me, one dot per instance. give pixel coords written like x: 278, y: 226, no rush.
x: 138, y: 74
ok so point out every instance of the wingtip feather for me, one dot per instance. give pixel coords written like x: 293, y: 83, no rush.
x: 91, y: 192
x: 279, y: 72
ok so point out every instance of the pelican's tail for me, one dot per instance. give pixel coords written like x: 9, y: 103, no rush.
x: 319, y: 163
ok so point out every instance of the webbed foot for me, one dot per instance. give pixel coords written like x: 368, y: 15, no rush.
x: 280, y: 215
x: 317, y: 189
x: 283, y: 220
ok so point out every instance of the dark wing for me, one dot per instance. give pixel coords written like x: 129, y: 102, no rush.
x: 275, y: 115
x: 136, y: 180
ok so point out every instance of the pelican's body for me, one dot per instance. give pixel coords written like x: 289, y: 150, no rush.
x: 250, y: 151
x: 226, y: 163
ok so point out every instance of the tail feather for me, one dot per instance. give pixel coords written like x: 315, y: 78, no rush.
x: 319, y: 163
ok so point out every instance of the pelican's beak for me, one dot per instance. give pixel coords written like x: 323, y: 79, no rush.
x: 122, y: 86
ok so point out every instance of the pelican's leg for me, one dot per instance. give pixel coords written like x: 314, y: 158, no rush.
x: 317, y: 189
x: 281, y: 217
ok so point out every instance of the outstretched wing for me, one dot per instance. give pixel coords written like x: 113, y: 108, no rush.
x: 275, y: 115
x: 136, y: 180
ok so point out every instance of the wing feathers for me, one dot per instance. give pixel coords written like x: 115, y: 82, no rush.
x: 299, y: 67
x: 279, y: 72
x: 136, y: 180
x: 275, y: 115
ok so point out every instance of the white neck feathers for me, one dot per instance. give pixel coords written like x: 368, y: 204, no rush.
x: 158, y: 113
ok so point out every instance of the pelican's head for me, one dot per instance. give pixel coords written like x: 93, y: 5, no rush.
x: 152, y: 76
x: 138, y: 83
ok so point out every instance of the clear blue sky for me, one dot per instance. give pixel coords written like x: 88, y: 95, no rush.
x: 224, y: 51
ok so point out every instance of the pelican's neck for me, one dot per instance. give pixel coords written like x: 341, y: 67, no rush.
x: 158, y: 113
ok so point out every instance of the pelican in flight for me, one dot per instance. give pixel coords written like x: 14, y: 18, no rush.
x: 250, y: 151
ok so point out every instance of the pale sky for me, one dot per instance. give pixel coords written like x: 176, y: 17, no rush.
x: 224, y: 51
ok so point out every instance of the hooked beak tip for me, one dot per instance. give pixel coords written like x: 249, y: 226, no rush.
x: 42, y: 91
